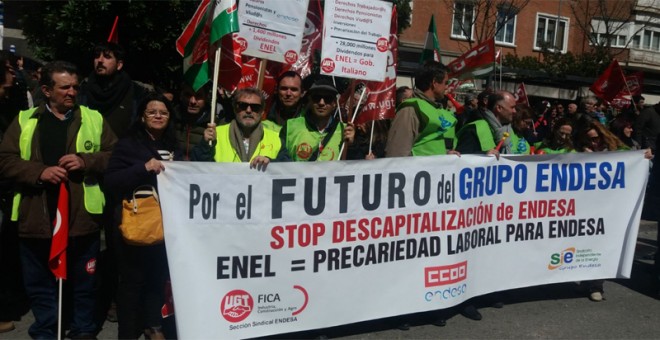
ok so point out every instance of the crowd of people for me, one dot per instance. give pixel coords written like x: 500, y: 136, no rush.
x: 106, y: 135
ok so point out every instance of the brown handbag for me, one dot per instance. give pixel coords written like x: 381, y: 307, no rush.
x: 141, y: 218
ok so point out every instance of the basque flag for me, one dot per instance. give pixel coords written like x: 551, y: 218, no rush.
x: 57, y: 258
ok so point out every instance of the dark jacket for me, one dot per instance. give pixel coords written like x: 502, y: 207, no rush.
x: 647, y: 127
x: 34, y: 220
x: 126, y: 170
x: 117, y: 99
x: 468, y: 140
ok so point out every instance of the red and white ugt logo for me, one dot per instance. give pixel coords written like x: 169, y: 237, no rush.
x: 90, y: 267
x: 236, y: 305
x: 444, y: 275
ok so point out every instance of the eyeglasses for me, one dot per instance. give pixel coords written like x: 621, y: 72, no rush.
x: 242, y: 106
x: 327, y: 98
x: 153, y: 113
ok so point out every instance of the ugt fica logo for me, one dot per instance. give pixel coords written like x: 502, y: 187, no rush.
x: 565, y: 257
x: 236, y: 305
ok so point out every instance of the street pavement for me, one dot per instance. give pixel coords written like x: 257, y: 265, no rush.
x: 558, y: 311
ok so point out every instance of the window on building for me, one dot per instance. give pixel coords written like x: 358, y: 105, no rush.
x: 650, y: 40
x: 636, y: 41
x: 463, y: 20
x: 615, y: 40
x: 550, y: 35
x: 506, y: 25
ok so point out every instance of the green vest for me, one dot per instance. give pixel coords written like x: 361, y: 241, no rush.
x: 484, y: 134
x: 302, y: 143
x: 269, y: 146
x: 519, y: 146
x: 439, y: 125
x: 271, y: 125
x: 88, y: 140
x: 553, y: 151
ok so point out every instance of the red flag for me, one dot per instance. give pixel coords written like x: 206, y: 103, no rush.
x: 476, y: 62
x: 380, y: 98
x: 167, y: 309
x: 620, y: 102
x: 311, y: 40
x: 610, y: 83
x: 231, y: 62
x: 114, y: 35
x: 634, y: 83
x: 57, y: 258
x: 521, y: 95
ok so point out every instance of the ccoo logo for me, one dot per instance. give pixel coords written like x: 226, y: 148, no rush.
x: 236, y: 305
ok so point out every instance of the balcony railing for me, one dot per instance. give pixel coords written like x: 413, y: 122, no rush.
x: 652, y: 6
x: 651, y: 58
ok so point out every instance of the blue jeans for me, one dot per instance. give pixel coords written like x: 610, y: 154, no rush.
x: 42, y: 288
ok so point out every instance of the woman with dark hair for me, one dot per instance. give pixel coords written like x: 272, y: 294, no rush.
x: 559, y: 140
x: 136, y: 160
x: 521, y: 124
x: 622, y: 128
x: 592, y: 136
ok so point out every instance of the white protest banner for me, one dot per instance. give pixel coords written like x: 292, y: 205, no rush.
x: 356, y: 38
x: 319, y: 244
x: 272, y: 30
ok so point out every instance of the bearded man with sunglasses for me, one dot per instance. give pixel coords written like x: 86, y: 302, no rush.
x: 245, y: 139
x: 422, y: 127
x: 318, y: 135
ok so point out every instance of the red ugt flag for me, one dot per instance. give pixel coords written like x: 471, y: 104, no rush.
x: 521, y: 95
x: 57, y: 258
x: 476, y: 62
x: 610, y: 83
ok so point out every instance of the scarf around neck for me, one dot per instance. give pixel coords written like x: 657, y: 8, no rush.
x: 105, y: 94
x: 236, y: 140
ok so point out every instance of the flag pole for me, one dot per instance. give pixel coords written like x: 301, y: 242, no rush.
x: 338, y: 110
x: 357, y: 107
x: 500, y: 63
x: 59, y: 311
x: 628, y: 88
x: 214, y: 91
x: 371, y: 138
x: 262, y: 73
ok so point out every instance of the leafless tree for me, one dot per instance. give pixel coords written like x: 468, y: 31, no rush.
x: 605, y: 23
x: 479, y: 18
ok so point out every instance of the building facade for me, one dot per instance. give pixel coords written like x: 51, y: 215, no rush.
x: 630, y: 30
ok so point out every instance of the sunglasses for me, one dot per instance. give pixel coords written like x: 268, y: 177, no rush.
x: 327, y: 98
x: 243, y: 106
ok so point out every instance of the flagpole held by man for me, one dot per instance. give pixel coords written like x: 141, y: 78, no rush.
x: 59, y: 242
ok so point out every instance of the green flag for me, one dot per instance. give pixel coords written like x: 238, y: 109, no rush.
x: 193, y: 45
x: 431, y: 45
x: 225, y: 19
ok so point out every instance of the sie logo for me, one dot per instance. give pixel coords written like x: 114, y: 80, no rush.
x: 559, y: 259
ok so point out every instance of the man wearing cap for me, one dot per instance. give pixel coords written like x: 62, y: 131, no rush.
x: 421, y: 126
x: 318, y: 135
x: 245, y: 139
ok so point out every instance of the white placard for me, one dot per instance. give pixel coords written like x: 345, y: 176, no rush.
x: 355, y: 39
x: 272, y: 30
